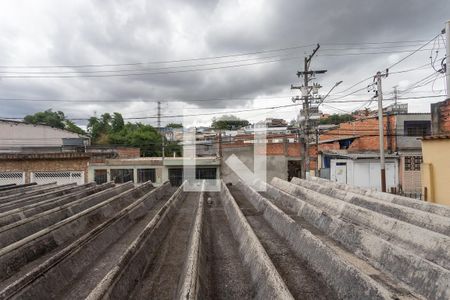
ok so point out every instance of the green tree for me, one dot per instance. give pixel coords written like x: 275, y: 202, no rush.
x: 174, y: 125
x: 172, y: 147
x: 100, y: 128
x: 228, y: 122
x: 337, y: 119
x: 74, y: 128
x: 55, y: 119
x: 117, y: 122
x: 139, y: 135
x: 111, y: 129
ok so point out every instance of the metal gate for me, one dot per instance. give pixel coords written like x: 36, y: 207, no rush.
x: 58, y: 177
x: 12, y: 178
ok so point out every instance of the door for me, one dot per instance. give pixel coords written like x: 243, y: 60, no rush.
x: 294, y: 169
x: 341, y: 172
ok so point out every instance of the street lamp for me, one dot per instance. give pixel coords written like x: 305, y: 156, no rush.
x: 334, y: 86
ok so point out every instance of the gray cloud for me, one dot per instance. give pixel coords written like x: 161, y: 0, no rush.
x: 111, y: 32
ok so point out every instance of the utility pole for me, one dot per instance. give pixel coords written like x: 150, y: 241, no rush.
x: 161, y: 131
x: 306, y: 90
x: 379, y: 93
x: 220, y: 143
x: 317, y: 149
x: 395, y: 95
x: 447, y: 60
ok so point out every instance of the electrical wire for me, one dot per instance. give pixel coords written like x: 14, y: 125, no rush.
x: 295, y: 47
x: 394, y: 64
x: 237, y: 111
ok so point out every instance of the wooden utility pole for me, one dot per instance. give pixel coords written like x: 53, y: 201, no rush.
x: 306, y: 90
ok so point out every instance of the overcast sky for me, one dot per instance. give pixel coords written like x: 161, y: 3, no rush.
x: 150, y: 44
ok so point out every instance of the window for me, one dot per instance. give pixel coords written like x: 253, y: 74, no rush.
x: 417, y: 128
x: 205, y: 173
x: 12, y: 178
x: 122, y: 175
x: 145, y: 175
x: 100, y: 176
x: 412, y: 163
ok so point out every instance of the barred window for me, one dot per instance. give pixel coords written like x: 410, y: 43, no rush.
x: 122, y: 175
x: 145, y: 175
x: 12, y: 178
x: 417, y: 128
x: 412, y: 163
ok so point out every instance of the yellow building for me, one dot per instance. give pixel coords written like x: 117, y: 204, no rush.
x: 436, y: 169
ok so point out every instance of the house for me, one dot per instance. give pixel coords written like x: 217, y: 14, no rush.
x: 41, y: 154
x: 401, y: 131
x: 282, y: 151
x: 17, y: 136
x: 156, y: 169
x: 436, y: 158
x: 361, y: 169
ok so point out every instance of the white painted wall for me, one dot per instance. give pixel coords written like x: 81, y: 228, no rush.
x: 18, y: 134
x: 60, y: 177
x: 364, y: 172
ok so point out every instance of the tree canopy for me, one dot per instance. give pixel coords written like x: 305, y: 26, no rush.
x: 174, y: 125
x: 228, y: 122
x: 55, y: 119
x: 337, y: 119
x: 111, y: 129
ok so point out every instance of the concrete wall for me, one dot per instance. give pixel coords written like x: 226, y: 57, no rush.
x: 408, y: 142
x: 436, y: 170
x: 277, y: 165
x: 366, y: 172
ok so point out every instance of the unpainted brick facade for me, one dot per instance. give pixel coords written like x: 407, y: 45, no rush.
x: 366, y: 131
x: 441, y: 117
x: 53, y: 162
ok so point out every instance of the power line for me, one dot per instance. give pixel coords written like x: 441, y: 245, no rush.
x: 202, y: 58
x: 13, y: 74
x: 148, y: 72
x: 373, y: 53
x: 194, y: 100
x: 151, y: 73
x: 156, y: 62
x: 414, y: 52
x: 393, y: 65
x: 243, y: 110
x: 140, y: 69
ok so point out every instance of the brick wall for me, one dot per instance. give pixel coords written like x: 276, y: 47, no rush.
x: 44, y: 163
x: 282, y: 149
x: 444, y: 117
x: 366, y: 131
x: 128, y: 152
x: 440, y: 117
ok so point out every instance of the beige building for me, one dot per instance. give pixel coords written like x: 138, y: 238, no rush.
x: 156, y: 169
x: 436, y: 156
x: 436, y: 169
